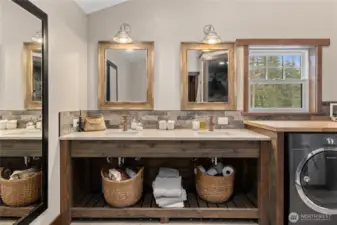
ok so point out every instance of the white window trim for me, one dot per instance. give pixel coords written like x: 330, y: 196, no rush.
x: 304, y: 53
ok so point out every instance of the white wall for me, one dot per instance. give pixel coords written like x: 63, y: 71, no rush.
x: 67, y: 82
x: 18, y: 26
x: 168, y: 23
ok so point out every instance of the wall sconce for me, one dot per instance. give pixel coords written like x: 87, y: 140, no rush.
x: 38, y: 38
x: 211, y: 37
x: 122, y: 35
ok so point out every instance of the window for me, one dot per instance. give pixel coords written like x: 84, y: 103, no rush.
x: 278, y: 80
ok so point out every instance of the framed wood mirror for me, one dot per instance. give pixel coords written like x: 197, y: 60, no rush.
x: 33, y: 75
x: 125, y: 75
x: 207, y: 76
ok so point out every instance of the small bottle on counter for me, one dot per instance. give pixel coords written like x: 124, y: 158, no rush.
x: 195, y: 124
x: 202, y: 124
x: 134, y: 124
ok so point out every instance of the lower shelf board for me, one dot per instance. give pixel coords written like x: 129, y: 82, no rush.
x: 240, y: 207
x: 14, y: 212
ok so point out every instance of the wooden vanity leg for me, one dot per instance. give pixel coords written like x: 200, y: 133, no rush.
x: 263, y: 183
x: 66, y: 186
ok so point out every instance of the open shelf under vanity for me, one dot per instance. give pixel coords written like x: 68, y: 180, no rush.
x: 14, y: 212
x: 81, y: 184
x: 88, y: 200
x: 240, y: 206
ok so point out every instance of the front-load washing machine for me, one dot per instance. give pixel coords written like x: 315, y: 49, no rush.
x: 311, y: 179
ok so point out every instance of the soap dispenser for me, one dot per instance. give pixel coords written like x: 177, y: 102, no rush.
x: 195, y: 124
x: 134, y: 124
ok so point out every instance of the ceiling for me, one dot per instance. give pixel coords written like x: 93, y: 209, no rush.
x: 90, y: 6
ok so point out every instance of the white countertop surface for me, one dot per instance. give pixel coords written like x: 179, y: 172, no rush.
x: 20, y: 134
x: 163, y: 135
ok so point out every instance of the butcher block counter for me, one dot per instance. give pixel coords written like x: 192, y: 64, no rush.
x: 294, y: 126
x: 277, y: 130
x: 85, y: 152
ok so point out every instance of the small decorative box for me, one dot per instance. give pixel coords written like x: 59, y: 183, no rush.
x: 333, y: 112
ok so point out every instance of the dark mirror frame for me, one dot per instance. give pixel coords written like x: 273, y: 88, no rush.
x: 34, y: 10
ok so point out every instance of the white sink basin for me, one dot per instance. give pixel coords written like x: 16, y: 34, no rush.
x: 119, y: 132
x: 213, y: 133
x: 23, y: 132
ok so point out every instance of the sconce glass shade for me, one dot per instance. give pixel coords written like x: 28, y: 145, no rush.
x: 122, y: 35
x: 211, y: 37
x: 37, y: 38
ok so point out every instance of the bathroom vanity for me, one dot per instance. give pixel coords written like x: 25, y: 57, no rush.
x: 292, y: 139
x: 15, y: 145
x: 83, y: 154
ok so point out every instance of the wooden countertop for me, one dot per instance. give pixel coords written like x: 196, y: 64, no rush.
x: 294, y: 126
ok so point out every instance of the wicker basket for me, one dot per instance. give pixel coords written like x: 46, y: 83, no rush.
x: 214, y: 189
x: 123, y: 193
x: 21, y: 192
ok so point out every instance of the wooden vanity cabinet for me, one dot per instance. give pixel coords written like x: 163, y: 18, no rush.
x: 12, y: 155
x: 81, y: 190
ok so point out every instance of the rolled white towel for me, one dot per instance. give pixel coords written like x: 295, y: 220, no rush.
x: 175, y: 205
x: 164, y: 201
x: 167, y: 187
x: 227, y: 171
x: 130, y: 172
x: 115, y: 175
x: 168, y: 172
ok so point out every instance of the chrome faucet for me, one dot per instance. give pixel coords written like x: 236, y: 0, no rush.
x: 211, y: 123
x: 125, y: 123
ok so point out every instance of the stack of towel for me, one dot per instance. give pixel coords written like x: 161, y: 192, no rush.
x: 167, y: 189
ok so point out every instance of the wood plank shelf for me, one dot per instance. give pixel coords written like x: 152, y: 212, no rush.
x: 20, y: 148
x: 14, y: 212
x: 239, y: 207
x: 150, y: 149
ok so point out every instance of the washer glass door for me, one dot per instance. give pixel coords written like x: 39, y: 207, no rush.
x: 316, y: 180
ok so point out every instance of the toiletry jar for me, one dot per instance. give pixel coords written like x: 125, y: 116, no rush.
x: 162, y: 124
x: 38, y: 125
x: 11, y: 124
x: 170, y: 124
x: 3, y: 124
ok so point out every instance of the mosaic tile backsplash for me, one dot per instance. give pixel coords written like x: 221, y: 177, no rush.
x: 22, y: 116
x: 150, y: 119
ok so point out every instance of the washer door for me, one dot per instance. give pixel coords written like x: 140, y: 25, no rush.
x: 316, y: 180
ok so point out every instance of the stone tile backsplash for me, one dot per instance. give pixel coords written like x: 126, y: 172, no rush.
x: 183, y: 119
x: 150, y: 119
x: 22, y: 116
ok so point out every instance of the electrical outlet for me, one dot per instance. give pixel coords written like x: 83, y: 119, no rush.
x: 75, y: 123
x: 222, y: 120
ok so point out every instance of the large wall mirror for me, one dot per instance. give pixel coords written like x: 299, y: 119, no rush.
x: 207, y: 77
x: 23, y: 112
x: 125, y: 76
